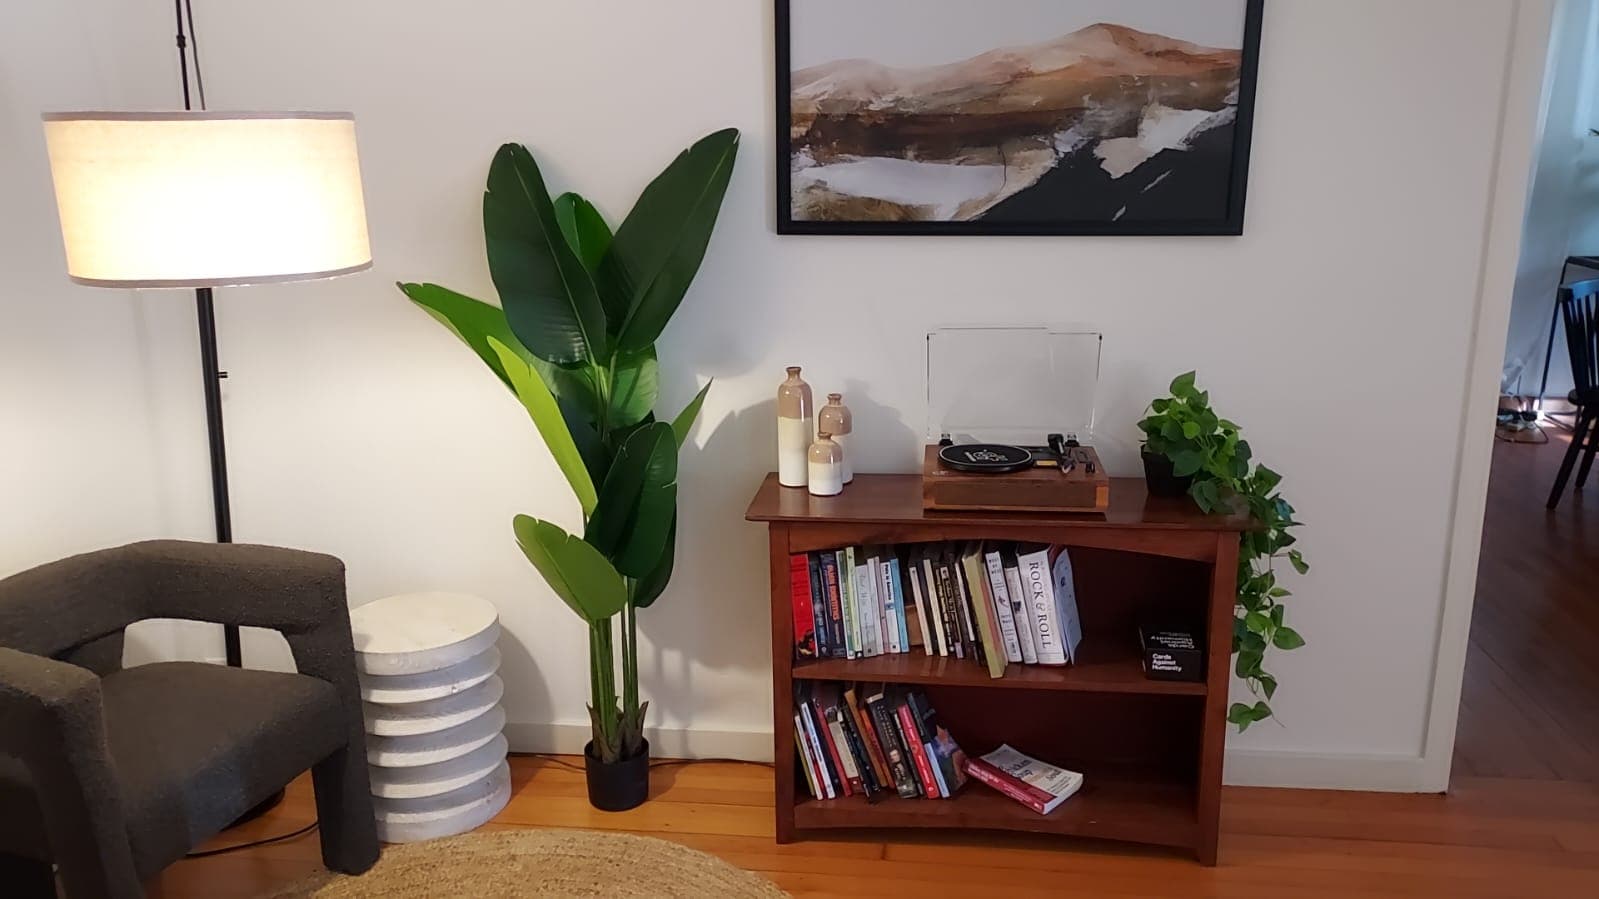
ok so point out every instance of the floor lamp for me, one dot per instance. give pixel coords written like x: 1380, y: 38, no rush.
x: 203, y: 200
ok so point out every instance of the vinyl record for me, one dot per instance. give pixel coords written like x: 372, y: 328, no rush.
x: 986, y: 458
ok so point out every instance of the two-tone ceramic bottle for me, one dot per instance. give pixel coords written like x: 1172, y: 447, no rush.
x: 834, y: 418
x: 796, y: 424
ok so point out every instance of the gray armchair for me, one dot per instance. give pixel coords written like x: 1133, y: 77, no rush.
x: 113, y: 774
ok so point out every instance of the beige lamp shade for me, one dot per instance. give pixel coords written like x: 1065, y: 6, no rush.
x: 207, y: 199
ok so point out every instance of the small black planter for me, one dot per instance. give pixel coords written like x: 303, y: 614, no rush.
x: 617, y: 786
x: 1160, y: 479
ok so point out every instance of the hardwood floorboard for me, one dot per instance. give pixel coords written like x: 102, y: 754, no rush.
x: 1522, y: 818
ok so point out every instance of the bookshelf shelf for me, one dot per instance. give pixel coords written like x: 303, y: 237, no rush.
x: 1112, y: 808
x: 1117, y: 673
x: 1152, y: 756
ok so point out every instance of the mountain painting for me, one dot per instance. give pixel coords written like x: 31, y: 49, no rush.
x: 1015, y: 116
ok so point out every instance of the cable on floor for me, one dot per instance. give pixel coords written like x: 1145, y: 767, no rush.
x: 223, y: 850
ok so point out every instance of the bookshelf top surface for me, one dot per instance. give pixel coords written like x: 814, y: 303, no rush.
x: 897, y: 499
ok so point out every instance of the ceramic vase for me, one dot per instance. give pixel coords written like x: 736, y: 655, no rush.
x: 826, y: 466
x: 796, y: 426
x: 834, y: 418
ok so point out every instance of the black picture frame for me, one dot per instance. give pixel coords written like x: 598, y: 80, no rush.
x: 1231, y: 225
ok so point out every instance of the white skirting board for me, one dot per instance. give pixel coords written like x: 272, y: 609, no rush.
x: 1244, y: 767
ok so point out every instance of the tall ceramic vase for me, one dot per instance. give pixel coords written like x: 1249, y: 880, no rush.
x: 834, y: 418
x: 796, y: 425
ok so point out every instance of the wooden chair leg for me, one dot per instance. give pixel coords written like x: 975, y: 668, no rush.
x: 1593, y: 446
x: 1579, y: 435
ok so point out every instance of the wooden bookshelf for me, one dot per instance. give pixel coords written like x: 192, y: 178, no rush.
x: 1151, y: 751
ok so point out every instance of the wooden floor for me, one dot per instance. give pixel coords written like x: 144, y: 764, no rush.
x: 1530, y: 704
x: 1522, y: 819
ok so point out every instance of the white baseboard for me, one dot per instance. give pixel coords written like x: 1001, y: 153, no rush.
x: 1317, y: 771
x: 1244, y: 767
x: 666, y: 743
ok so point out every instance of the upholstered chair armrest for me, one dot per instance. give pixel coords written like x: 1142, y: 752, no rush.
x: 52, y: 720
x: 287, y: 590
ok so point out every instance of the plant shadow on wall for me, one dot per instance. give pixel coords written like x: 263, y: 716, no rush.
x: 1210, y: 453
x: 574, y: 339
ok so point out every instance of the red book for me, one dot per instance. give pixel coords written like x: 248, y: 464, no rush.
x: 825, y: 734
x: 1038, y: 785
x: 1019, y: 792
x: 799, y: 595
x: 924, y: 768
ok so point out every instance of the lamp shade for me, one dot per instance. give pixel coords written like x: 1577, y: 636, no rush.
x: 207, y: 199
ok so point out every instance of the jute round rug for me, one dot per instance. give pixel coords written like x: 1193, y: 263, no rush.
x: 539, y: 863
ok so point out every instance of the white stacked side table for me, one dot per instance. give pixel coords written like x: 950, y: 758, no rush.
x: 431, y: 700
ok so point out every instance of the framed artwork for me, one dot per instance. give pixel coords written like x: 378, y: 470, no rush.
x: 1087, y: 117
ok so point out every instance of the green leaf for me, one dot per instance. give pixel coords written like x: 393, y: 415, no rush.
x: 549, y: 297
x: 648, y: 588
x: 1266, y: 480
x: 1248, y: 664
x: 1296, y: 559
x: 1182, y: 386
x: 634, y: 388
x: 638, y: 501
x: 659, y: 247
x: 1185, y: 463
x: 1287, y: 638
x: 1257, y: 622
x: 1191, y: 429
x: 546, y: 413
x: 1268, y: 685
x: 473, y: 321
x: 684, y: 422
x: 1160, y: 405
x: 584, y: 229
x: 1277, y: 616
x: 576, y: 571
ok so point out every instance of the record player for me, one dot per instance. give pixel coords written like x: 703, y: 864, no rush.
x: 1009, y: 405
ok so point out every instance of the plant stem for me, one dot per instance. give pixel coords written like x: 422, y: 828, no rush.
x: 602, y: 674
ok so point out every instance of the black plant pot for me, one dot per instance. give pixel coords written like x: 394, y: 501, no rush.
x: 1160, y: 479
x: 617, y: 786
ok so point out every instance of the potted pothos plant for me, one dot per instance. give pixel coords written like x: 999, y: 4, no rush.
x: 1210, y: 452
x: 574, y: 338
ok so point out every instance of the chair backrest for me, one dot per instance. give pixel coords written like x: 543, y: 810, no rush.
x: 1579, y: 309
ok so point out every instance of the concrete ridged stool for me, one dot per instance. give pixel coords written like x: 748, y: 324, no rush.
x: 431, y: 699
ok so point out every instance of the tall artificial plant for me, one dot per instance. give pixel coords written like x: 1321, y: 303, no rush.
x: 1212, y: 450
x: 574, y: 339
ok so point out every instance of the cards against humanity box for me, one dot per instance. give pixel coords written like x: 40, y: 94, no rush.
x: 1171, y: 654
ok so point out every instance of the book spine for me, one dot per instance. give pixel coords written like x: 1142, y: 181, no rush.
x: 828, y: 775
x: 1065, y: 587
x: 899, y: 763
x: 988, y: 774
x: 1002, y: 608
x: 874, y: 748
x: 976, y: 578
x: 799, y: 594
x: 918, y: 753
x: 846, y: 581
x: 802, y: 747
x: 896, y: 583
x: 919, y: 597
x: 835, y: 752
x: 874, y: 583
x: 846, y: 751
x: 835, y: 606
x: 944, y: 791
x: 865, y: 604
x: 891, y: 609
x: 813, y: 567
x: 963, y: 597
x: 1041, y: 605
x: 1024, y: 621
x: 946, y: 599
x: 935, y: 608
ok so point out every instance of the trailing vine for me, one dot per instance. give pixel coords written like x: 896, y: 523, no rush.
x: 1212, y: 450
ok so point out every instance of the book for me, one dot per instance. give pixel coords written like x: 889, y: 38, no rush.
x: 1038, y: 582
x: 892, y: 613
x: 1018, y: 604
x: 975, y: 576
x: 846, y: 586
x: 835, y: 605
x: 867, y: 614
x: 1065, y: 587
x: 924, y: 621
x: 827, y: 773
x: 896, y: 582
x: 873, y: 746
x: 947, y: 598
x: 813, y: 567
x: 843, y: 752
x: 899, y: 762
x: 802, y: 747
x: 998, y: 592
x: 916, y: 748
x: 799, y: 588
x: 1038, y: 785
x: 935, y: 608
x: 870, y: 785
x: 948, y: 760
x: 964, y: 605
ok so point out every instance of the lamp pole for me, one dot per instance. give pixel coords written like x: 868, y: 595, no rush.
x: 210, y: 368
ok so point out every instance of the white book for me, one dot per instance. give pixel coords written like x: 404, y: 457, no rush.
x: 891, y: 609
x: 817, y: 750
x: 1002, y: 607
x: 1024, y: 622
x: 1071, y: 624
x: 934, y: 605
x: 804, y: 744
x: 922, y: 614
x: 1038, y: 785
x: 1038, y: 583
x: 866, y: 608
x: 963, y: 598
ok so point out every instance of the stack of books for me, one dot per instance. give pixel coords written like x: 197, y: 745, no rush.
x: 991, y: 602
x: 874, y: 741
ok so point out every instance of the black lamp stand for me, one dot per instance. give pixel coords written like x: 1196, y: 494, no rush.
x: 213, y: 374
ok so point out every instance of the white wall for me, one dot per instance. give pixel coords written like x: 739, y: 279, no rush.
x: 357, y: 426
x: 1560, y: 208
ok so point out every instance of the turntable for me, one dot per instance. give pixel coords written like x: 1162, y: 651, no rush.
x: 988, y: 387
